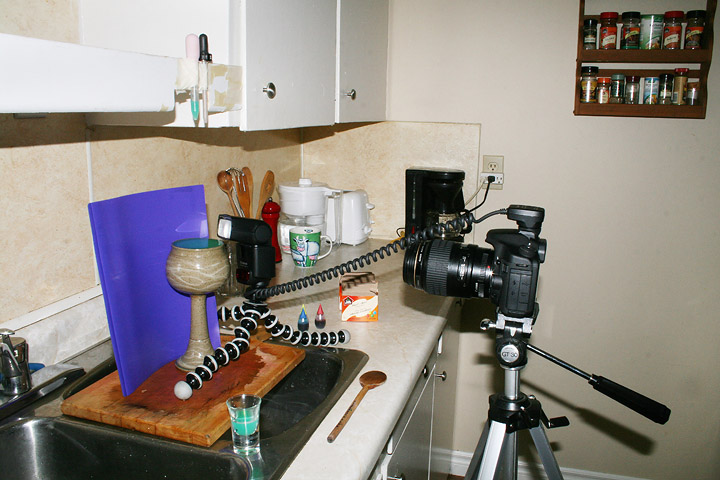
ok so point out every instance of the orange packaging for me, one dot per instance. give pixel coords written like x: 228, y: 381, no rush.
x: 358, y: 297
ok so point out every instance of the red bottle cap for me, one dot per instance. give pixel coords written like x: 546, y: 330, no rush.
x: 674, y: 14
x: 610, y: 15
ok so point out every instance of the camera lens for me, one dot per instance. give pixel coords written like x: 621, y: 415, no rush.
x: 447, y: 268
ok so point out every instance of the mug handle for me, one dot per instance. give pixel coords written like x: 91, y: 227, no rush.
x: 325, y: 237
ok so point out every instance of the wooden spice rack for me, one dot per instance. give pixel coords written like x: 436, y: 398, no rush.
x: 632, y: 64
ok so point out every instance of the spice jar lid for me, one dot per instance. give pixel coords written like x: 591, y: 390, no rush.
x: 590, y: 22
x: 609, y: 15
x: 674, y: 14
x: 589, y: 70
x: 666, y: 77
x: 618, y: 76
x: 696, y: 14
x: 604, y: 80
x: 633, y: 78
x: 629, y: 15
x: 681, y: 71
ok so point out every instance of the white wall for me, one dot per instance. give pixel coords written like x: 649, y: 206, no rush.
x: 629, y: 288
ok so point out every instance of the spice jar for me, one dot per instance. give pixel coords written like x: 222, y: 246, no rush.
x: 632, y: 90
x: 588, y: 84
x: 672, y: 30
x: 630, y: 36
x: 694, y: 29
x: 590, y: 34
x: 665, y: 89
x: 679, y: 86
x: 651, y: 27
x: 603, y: 90
x: 608, y: 30
x: 650, y: 90
x: 693, y: 93
x: 617, y: 88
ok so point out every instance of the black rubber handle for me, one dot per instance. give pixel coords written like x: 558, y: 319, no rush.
x: 647, y: 407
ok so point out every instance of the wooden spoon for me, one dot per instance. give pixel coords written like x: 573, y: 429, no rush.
x: 266, y: 189
x: 249, y: 185
x: 368, y: 380
x: 225, y: 181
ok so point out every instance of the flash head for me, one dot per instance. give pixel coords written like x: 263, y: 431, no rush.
x: 254, y: 251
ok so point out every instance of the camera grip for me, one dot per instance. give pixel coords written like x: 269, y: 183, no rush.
x: 647, y: 407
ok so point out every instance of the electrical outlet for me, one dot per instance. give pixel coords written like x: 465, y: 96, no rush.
x: 497, y: 183
x: 493, y: 165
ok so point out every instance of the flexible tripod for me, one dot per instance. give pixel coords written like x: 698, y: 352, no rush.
x: 496, y: 453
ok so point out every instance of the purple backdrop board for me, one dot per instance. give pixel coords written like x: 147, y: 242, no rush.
x: 149, y: 320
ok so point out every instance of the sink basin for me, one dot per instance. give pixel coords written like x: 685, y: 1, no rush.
x: 65, y: 447
x: 54, y: 448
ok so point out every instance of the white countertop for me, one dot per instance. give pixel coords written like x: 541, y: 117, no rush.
x: 410, y: 323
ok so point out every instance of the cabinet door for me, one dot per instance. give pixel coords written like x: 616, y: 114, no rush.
x: 291, y: 45
x: 411, y: 455
x: 362, y: 60
x: 445, y: 379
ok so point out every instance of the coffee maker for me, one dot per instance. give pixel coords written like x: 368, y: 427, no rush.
x: 433, y: 195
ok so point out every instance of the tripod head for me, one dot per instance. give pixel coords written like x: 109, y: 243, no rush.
x: 511, y: 348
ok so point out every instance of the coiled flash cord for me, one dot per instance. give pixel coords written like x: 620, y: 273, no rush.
x: 465, y: 220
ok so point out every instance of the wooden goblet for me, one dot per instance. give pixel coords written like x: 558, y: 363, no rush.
x: 197, y: 267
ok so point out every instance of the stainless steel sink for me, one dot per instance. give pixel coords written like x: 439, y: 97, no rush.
x: 63, y: 447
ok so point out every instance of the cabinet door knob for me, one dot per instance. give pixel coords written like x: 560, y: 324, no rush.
x: 352, y: 94
x: 270, y: 90
x: 442, y: 376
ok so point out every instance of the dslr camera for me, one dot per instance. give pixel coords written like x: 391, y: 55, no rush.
x: 507, y: 274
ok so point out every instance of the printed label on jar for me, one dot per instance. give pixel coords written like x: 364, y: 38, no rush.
x: 631, y: 37
x: 671, y: 37
x: 693, y: 36
x: 608, y: 38
x: 587, y: 88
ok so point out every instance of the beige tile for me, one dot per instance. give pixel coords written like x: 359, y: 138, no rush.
x: 46, y: 248
x: 374, y: 157
x: 47, y: 19
x: 131, y: 160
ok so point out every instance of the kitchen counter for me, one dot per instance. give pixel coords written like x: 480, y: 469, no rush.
x: 410, y: 323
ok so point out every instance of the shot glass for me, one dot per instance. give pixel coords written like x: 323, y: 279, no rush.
x: 245, y: 419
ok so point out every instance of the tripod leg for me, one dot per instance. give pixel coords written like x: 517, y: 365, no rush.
x: 546, y: 454
x: 474, y: 467
x: 509, y: 457
x: 493, y: 447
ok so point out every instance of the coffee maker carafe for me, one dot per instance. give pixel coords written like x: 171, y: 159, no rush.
x: 432, y: 196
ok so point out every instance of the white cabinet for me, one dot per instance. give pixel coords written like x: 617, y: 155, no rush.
x: 409, y: 445
x: 288, y: 47
x: 287, y: 43
x: 362, y: 60
x: 420, y: 443
x: 47, y: 76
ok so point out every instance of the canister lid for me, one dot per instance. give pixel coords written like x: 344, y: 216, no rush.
x: 618, y: 76
x: 675, y: 14
x: 696, y: 14
x: 589, y: 70
x: 609, y: 15
x: 629, y: 15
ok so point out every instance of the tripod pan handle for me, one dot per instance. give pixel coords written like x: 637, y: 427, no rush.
x: 647, y: 407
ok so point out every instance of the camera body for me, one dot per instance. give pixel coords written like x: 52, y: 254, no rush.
x: 507, y: 274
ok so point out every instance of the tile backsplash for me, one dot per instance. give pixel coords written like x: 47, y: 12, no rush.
x: 55, y: 165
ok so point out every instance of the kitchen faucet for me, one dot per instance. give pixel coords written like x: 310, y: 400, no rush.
x: 13, y: 364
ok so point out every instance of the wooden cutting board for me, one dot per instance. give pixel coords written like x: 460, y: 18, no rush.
x: 203, y: 418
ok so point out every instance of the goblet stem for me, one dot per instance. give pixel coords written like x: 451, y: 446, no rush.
x: 199, y: 344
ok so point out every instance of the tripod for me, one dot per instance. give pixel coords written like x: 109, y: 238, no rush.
x: 512, y: 411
